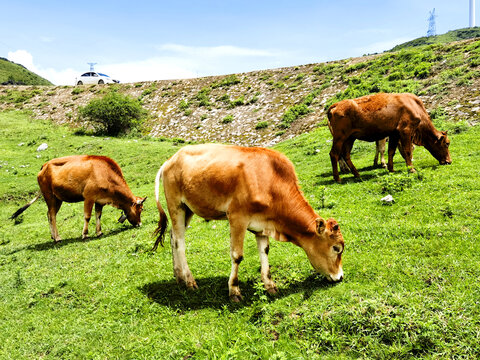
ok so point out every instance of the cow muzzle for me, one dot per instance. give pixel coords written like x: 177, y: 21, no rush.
x: 335, y: 278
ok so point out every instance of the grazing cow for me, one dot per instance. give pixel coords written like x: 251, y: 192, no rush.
x: 92, y: 179
x: 401, y: 117
x: 255, y: 189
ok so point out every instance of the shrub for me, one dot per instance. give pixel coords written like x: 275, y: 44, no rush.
x: 238, y: 101
x: 183, y: 105
x: 202, y: 98
x: 261, y: 125
x: 114, y: 114
x: 225, y: 82
x: 227, y: 119
x: 292, y: 114
x: 77, y: 91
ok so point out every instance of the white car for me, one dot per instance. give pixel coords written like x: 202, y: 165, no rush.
x: 92, y: 77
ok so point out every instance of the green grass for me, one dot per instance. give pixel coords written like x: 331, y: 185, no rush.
x: 19, y: 75
x: 454, y: 35
x: 411, y: 269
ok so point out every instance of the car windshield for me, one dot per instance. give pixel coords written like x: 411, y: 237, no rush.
x: 103, y: 75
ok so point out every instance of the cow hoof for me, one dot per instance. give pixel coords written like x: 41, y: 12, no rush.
x: 84, y: 237
x: 272, y: 290
x: 57, y: 240
x: 191, y: 285
x: 236, y: 298
x: 100, y: 234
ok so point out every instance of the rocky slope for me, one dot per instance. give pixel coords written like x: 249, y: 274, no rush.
x: 265, y: 107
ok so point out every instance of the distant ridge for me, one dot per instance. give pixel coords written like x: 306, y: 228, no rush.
x: 262, y: 108
x: 454, y: 35
x: 16, y: 74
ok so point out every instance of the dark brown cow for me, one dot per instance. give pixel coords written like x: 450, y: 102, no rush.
x: 92, y: 179
x: 401, y: 117
x: 255, y: 189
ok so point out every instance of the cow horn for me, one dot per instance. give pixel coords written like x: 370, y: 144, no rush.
x: 141, y: 201
x: 122, y: 218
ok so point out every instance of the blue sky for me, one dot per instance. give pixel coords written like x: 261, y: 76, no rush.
x: 154, y: 40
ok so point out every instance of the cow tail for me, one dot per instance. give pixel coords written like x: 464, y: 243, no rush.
x: 163, y: 220
x: 24, y: 207
x: 329, y: 118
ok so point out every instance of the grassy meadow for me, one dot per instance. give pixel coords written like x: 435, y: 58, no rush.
x: 411, y: 287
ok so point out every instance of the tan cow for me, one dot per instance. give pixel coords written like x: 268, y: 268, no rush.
x: 255, y: 189
x: 401, y: 117
x: 92, y: 179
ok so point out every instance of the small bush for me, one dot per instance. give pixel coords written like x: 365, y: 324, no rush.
x: 183, y: 105
x: 238, y: 101
x: 261, y: 125
x: 77, y: 91
x: 227, y: 119
x: 292, y: 114
x: 113, y: 115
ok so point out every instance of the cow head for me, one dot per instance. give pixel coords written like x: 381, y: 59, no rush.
x: 325, y: 249
x: 132, y: 214
x: 439, y: 147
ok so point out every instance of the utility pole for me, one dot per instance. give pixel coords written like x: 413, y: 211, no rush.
x: 91, y: 66
x: 472, y: 13
x: 432, y: 31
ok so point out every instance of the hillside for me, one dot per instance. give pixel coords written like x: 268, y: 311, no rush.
x: 266, y: 107
x: 15, y: 74
x: 411, y: 269
x: 451, y: 36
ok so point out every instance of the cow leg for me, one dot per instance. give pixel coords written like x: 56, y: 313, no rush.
x: 237, y: 237
x: 335, y: 153
x: 343, y: 166
x: 53, y: 206
x: 87, y: 213
x: 98, y: 218
x: 263, y: 248
x: 405, y: 147
x: 380, y: 150
x: 392, y: 146
x: 347, y: 149
x: 180, y: 218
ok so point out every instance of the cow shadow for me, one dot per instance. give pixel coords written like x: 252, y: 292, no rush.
x: 50, y: 244
x: 327, y: 178
x: 212, y: 293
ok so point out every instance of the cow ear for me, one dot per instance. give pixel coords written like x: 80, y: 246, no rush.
x: 321, y: 223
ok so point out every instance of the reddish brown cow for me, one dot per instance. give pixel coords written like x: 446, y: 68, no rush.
x: 92, y: 179
x: 401, y: 117
x: 255, y: 189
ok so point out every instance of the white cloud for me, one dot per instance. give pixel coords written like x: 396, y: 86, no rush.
x: 380, y: 46
x: 216, y: 51
x: 22, y: 57
x: 157, y: 68
x: 176, y: 62
x: 58, y: 77
x: 46, y: 39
